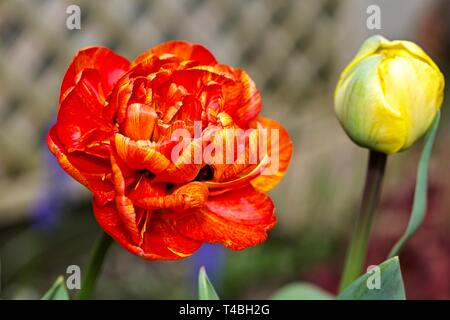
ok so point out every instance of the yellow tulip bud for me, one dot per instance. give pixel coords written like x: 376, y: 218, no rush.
x: 388, y: 96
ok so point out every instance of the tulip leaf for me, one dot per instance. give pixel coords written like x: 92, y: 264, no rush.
x: 383, y: 282
x: 420, y: 193
x: 206, y: 290
x: 301, y: 291
x: 57, y: 291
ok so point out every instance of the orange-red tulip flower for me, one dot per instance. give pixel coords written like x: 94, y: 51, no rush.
x: 114, y: 134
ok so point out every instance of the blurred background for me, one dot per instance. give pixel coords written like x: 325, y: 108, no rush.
x: 294, y: 50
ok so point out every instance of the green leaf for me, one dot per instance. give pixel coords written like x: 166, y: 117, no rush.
x: 301, y: 291
x: 206, y: 290
x: 57, y: 291
x: 420, y: 195
x: 390, y: 284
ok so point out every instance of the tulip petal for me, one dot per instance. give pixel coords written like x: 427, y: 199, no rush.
x: 125, y: 207
x: 197, y: 81
x: 241, y: 180
x: 418, y: 98
x: 64, y: 162
x: 145, y: 188
x: 233, y: 153
x: 250, y: 100
x: 163, y: 241
x: 144, y: 155
x: 238, y: 219
x: 81, y: 124
x: 108, y: 218
x: 139, y: 122
x: 191, y: 195
x: 108, y: 64
x: 279, y: 152
x: 92, y: 172
x: 140, y: 154
x: 369, y: 47
x: 406, y: 49
x: 233, y: 89
x: 182, y: 49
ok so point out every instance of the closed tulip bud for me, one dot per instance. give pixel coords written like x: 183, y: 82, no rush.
x: 388, y: 96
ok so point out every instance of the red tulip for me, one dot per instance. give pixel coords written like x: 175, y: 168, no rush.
x: 115, y: 134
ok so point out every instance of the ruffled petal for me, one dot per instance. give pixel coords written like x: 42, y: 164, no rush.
x: 188, y: 196
x: 232, y: 151
x: 109, y: 220
x: 146, y: 188
x: 81, y: 124
x: 182, y: 49
x: 109, y: 66
x: 140, y: 154
x: 139, y: 122
x: 238, y: 219
x: 94, y: 173
x: 279, y: 152
x: 243, y: 100
x: 163, y: 241
x: 143, y: 154
x: 125, y: 207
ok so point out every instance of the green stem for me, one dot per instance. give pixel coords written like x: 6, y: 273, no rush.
x: 358, y: 247
x: 95, y: 265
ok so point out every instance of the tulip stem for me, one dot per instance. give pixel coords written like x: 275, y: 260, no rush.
x: 101, y: 247
x: 356, y: 254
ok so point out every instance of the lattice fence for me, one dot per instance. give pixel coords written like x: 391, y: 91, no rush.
x: 283, y: 44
